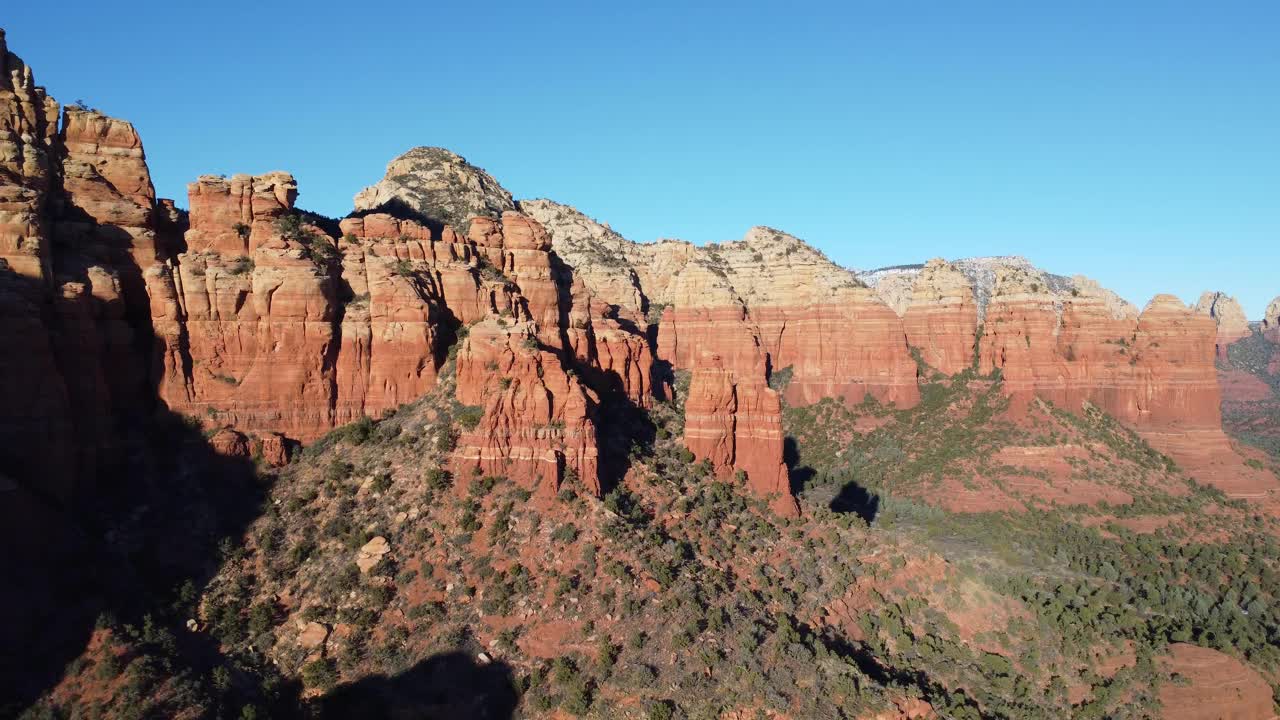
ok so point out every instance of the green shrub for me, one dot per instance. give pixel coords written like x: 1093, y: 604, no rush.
x: 468, y: 416
x: 566, y: 533
x: 319, y: 674
x: 240, y: 265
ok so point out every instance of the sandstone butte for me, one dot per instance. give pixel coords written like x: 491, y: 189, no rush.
x: 1227, y: 315
x: 269, y: 330
x: 1271, y: 320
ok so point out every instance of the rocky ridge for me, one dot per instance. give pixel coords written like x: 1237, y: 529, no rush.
x: 1227, y: 315
x: 267, y: 321
x: 437, y: 184
x: 491, y: 355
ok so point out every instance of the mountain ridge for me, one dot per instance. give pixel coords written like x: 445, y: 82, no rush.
x: 461, y: 455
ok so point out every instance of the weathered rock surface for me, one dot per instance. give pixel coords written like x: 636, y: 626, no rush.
x: 275, y: 450
x: 1271, y: 321
x: 941, y: 319
x: 77, y: 229
x: 600, y: 257
x: 248, y: 341
x: 1227, y: 315
x: 438, y: 184
x: 230, y: 443
x: 734, y: 419
x: 372, y: 553
x: 28, y: 142
x: 279, y: 330
x: 537, y: 419
x: 234, y: 216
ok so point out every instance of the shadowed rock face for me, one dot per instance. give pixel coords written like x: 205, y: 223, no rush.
x: 77, y: 231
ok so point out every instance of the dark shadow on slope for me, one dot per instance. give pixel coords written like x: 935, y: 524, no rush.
x: 146, y: 517
x: 400, y: 210
x: 885, y: 674
x: 621, y: 425
x: 853, y: 498
x: 850, y: 498
x: 324, y: 222
x: 801, y: 476
x: 450, y: 686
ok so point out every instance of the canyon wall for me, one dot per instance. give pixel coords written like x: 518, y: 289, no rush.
x: 79, y: 225
x: 247, y: 313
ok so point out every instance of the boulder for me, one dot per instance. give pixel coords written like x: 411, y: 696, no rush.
x: 371, y: 553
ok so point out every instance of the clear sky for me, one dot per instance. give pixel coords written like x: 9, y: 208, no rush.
x: 1134, y: 141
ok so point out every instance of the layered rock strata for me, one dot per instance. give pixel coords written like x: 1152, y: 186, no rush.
x: 255, y: 320
x: 79, y: 225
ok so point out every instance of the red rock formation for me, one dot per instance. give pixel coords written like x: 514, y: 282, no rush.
x: 83, y: 305
x: 1020, y: 334
x: 108, y: 194
x: 837, y: 339
x: 229, y: 443
x: 1173, y: 361
x: 1153, y: 371
x: 1271, y: 326
x: 272, y: 327
x: 248, y: 342
x: 233, y: 217
x: 941, y: 319
x: 28, y: 138
x: 390, y: 327
x: 275, y: 450
x: 1227, y: 315
x: 850, y: 347
x: 609, y: 348
x: 36, y: 433
x: 537, y: 419
x: 734, y: 419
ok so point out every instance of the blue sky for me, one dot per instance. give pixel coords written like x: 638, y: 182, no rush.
x: 1136, y: 142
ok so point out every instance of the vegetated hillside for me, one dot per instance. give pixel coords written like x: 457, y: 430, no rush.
x: 1250, y: 380
x: 376, y: 584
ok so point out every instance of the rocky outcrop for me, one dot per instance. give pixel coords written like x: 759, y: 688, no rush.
x: 437, y: 184
x: 733, y: 419
x: 78, y: 228
x: 266, y: 324
x: 806, y: 313
x: 1271, y: 321
x: 248, y: 340
x: 600, y: 257
x: 28, y: 142
x: 275, y: 450
x: 269, y: 325
x: 1153, y: 371
x: 227, y: 442
x: 234, y: 216
x: 895, y: 284
x: 1227, y: 315
x: 529, y: 418
x: 36, y: 426
x: 941, y: 319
